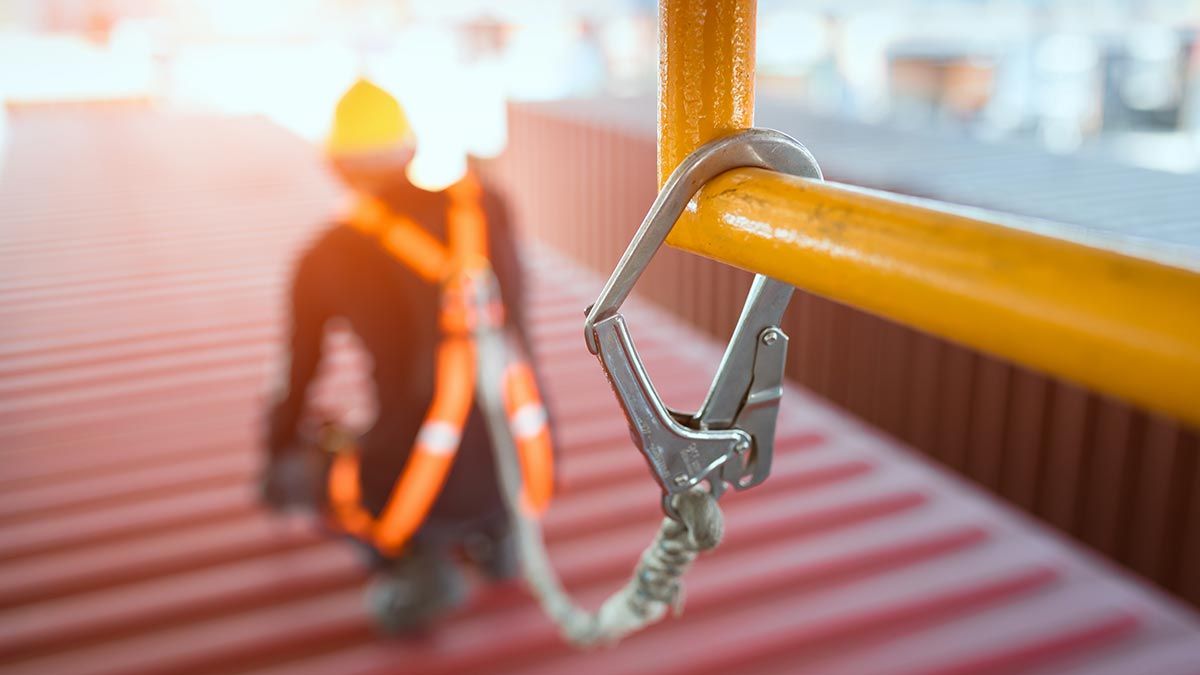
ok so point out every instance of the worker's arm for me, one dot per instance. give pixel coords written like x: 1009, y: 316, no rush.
x: 309, y: 315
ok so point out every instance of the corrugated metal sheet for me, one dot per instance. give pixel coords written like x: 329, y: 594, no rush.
x: 144, y: 259
x: 1123, y: 481
x: 1089, y: 191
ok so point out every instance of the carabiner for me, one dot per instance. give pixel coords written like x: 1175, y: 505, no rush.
x: 731, y: 438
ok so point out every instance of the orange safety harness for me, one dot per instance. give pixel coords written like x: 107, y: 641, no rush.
x: 458, y: 268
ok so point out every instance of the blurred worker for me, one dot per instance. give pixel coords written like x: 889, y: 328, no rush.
x: 404, y: 270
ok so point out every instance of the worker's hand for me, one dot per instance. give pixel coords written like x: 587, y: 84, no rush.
x: 292, y: 480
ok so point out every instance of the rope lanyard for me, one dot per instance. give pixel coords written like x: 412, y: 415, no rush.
x: 655, y: 586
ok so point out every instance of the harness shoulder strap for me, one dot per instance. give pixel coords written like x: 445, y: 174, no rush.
x: 403, y: 239
x: 467, y: 223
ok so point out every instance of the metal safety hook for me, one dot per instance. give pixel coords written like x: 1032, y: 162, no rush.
x: 731, y: 438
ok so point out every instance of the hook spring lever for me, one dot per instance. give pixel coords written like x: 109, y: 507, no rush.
x: 731, y: 438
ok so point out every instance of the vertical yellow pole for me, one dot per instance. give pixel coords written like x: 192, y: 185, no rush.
x: 705, y: 74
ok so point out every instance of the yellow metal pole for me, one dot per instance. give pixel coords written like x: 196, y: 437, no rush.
x: 1120, y: 325
x: 706, y: 74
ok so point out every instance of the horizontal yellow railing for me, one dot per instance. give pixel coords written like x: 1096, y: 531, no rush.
x: 1117, y: 324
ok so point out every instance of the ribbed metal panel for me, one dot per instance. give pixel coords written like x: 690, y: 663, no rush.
x: 1125, y: 482
x: 140, y: 296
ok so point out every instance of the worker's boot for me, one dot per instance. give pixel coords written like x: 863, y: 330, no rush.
x: 409, y: 594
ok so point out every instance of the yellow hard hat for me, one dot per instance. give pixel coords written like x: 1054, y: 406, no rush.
x: 368, y: 119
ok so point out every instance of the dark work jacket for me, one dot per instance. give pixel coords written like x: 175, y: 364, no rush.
x: 347, y: 274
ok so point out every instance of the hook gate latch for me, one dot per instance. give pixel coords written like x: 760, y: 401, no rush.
x: 731, y: 438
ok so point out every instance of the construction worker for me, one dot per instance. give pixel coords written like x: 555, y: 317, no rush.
x: 416, y: 489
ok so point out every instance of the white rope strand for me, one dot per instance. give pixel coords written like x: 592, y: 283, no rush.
x: 656, y: 585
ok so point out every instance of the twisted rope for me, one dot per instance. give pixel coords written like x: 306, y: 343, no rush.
x: 656, y: 585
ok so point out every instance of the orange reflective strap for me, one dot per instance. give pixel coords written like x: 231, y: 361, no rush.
x: 405, y: 240
x: 436, y: 445
x: 467, y: 224
x: 411, y: 244
x: 459, y: 313
x: 368, y: 214
x: 530, y: 428
x: 345, y: 496
x: 408, y: 242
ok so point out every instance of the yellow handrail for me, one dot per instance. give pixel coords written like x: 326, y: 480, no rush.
x: 1117, y: 324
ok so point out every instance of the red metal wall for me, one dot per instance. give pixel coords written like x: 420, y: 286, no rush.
x: 1125, y: 482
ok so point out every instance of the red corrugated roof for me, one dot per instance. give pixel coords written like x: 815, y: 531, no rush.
x: 144, y: 257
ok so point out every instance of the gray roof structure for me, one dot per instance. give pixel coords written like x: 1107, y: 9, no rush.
x: 1082, y: 197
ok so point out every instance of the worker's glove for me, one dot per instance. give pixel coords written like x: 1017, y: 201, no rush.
x: 292, y: 481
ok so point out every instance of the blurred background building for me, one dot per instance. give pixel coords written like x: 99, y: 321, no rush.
x: 1114, y: 76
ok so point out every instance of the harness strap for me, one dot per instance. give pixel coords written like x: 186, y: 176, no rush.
x: 456, y: 268
x: 530, y: 428
x: 466, y: 224
x: 406, y: 241
x: 345, y: 494
x: 436, y: 445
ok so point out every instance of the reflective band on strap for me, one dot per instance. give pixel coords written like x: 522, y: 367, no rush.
x: 439, y: 438
x: 528, y: 421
